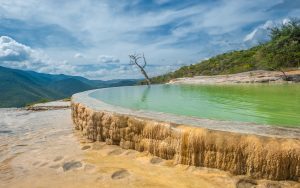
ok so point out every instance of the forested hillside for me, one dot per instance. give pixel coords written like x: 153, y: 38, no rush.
x: 280, y: 53
x: 19, y: 88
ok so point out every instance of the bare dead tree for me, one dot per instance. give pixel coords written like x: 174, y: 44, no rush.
x: 140, y: 61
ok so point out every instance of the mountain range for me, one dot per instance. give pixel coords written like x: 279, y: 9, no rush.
x: 19, y: 88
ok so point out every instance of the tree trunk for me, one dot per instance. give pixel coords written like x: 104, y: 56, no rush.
x: 145, y: 74
x: 134, y: 60
x: 286, y: 78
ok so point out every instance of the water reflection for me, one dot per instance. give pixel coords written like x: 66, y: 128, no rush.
x: 145, y: 94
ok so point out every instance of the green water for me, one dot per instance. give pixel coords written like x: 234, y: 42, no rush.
x: 262, y: 104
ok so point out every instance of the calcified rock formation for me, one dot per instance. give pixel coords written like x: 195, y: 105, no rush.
x: 241, y: 154
x: 258, y: 76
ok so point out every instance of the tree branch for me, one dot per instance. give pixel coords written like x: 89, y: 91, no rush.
x: 134, y: 59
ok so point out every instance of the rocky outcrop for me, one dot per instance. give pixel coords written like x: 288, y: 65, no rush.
x: 259, y: 76
x: 54, y: 105
x: 240, y: 154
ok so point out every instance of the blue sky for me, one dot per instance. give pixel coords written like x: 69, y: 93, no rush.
x: 93, y: 38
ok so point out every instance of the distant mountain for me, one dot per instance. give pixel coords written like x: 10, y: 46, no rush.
x: 19, y: 88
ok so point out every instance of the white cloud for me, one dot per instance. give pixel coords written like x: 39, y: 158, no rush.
x: 261, y: 33
x: 79, y: 56
x: 286, y: 21
x: 12, y: 50
x: 105, y: 27
x: 107, y: 59
x: 17, y: 55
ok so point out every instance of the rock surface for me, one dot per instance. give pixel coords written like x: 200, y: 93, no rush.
x: 259, y: 76
x: 39, y: 143
x: 54, y: 105
x: 240, y: 154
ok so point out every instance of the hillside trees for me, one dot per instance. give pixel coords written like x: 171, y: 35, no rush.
x: 280, y: 53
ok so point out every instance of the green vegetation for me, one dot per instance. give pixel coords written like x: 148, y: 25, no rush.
x: 281, y: 52
x: 67, y: 99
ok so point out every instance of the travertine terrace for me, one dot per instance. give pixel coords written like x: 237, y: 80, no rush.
x: 239, y: 151
x: 259, y: 76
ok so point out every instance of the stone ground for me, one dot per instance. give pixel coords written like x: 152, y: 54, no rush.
x: 259, y: 76
x: 41, y: 149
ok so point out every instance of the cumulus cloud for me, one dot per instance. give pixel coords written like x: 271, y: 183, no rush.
x: 10, y: 50
x: 107, y: 59
x: 17, y: 55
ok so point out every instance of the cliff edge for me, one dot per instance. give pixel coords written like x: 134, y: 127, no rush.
x: 241, y: 154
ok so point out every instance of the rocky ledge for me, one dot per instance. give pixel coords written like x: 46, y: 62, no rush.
x: 259, y: 76
x: 257, y: 156
x: 54, y: 105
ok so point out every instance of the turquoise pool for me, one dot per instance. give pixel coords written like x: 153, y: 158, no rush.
x: 263, y: 104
